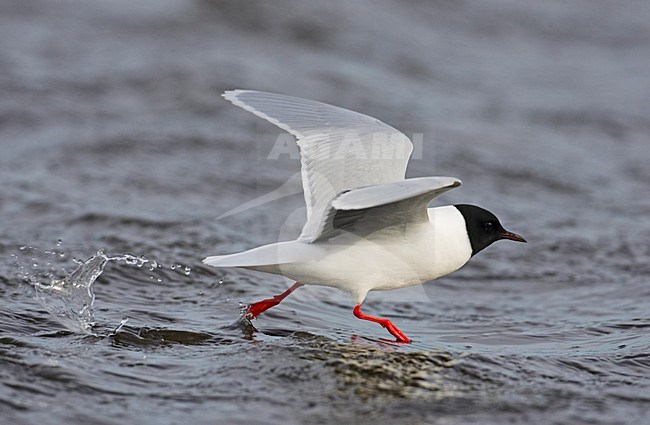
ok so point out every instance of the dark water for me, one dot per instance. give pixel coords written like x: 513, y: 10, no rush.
x: 113, y: 136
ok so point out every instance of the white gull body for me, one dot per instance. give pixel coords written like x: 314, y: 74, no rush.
x: 384, y: 260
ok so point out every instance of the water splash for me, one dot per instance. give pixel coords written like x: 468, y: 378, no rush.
x: 70, y: 300
x: 69, y: 297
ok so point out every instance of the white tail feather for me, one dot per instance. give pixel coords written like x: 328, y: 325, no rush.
x: 267, y: 255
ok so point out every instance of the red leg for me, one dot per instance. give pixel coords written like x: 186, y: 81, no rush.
x: 399, y: 335
x: 255, y: 309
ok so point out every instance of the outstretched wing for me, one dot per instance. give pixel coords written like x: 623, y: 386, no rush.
x: 340, y: 149
x: 395, y: 205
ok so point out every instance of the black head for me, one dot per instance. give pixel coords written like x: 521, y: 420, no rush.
x: 483, y: 227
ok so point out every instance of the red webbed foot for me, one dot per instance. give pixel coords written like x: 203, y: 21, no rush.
x: 255, y: 309
x: 399, y: 335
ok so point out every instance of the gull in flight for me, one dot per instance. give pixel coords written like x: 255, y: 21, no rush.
x: 368, y: 227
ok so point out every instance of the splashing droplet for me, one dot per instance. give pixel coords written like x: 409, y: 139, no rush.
x: 131, y: 260
x: 121, y: 325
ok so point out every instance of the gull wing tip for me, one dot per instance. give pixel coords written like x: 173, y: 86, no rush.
x: 231, y: 95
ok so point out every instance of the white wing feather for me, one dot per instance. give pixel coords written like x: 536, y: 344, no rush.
x: 340, y: 149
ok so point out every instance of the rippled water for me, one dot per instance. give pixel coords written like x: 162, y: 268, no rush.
x: 116, y: 145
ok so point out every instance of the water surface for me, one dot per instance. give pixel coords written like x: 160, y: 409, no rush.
x: 114, y: 138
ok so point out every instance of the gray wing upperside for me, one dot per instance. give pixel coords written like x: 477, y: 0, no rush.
x: 396, y: 205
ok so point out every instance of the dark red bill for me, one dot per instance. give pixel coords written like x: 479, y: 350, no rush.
x: 512, y: 236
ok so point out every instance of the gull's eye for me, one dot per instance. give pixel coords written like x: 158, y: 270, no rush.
x: 488, y: 226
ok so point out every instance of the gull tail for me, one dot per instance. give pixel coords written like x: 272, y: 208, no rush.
x: 266, y: 258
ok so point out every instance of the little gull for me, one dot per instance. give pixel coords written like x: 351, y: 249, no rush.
x: 368, y: 227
